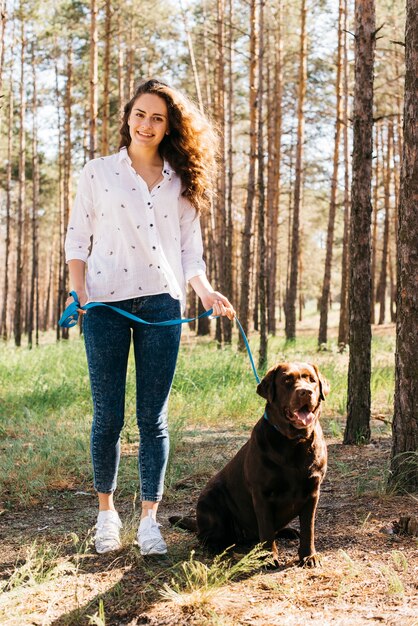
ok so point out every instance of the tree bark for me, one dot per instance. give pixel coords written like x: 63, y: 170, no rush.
x: 22, y: 189
x: 229, y: 283
x: 291, y: 295
x: 192, y: 58
x: 385, y: 249
x: 3, y: 22
x: 57, y: 298
x: 274, y: 167
x: 326, y: 284
x: 223, y: 245
x: 4, y: 313
x: 357, y: 428
x: 343, y: 321
x: 121, y: 63
x: 33, y: 295
x: 262, y: 270
x: 404, y: 473
x: 374, y: 229
x: 244, y: 304
x: 104, y: 149
x: 66, y: 205
x: 93, y: 113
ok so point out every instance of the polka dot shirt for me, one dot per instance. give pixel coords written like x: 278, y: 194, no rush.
x: 135, y: 242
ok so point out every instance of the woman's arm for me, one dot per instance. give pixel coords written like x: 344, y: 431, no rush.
x: 211, y: 298
x: 77, y: 269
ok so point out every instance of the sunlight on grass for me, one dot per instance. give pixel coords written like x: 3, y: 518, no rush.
x: 195, y: 583
x: 42, y: 563
x: 45, y: 412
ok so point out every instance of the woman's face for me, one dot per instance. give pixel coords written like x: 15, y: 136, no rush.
x: 148, y: 121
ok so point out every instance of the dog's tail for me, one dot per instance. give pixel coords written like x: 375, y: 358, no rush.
x: 185, y: 523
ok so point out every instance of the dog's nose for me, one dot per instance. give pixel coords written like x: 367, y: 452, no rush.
x: 305, y: 392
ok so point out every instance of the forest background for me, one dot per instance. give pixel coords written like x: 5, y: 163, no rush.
x: 272, y: 88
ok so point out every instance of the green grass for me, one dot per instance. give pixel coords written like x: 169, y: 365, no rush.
x: 45, y: 406
x: 194, y: 583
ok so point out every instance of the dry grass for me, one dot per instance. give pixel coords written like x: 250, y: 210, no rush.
x: 50, y: 575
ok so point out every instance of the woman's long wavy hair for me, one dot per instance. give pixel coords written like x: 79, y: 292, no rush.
x: 190, y: 147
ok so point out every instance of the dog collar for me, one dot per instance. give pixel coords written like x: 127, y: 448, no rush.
x: 267, y: 420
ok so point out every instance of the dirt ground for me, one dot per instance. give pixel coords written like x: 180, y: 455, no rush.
x: 369, y: 572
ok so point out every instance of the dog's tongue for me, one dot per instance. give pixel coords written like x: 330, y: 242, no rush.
x: 305, y: 416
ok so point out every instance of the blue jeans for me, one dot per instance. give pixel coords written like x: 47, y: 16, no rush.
x: 107, y: 336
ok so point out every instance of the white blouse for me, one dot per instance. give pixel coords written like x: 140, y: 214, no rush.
x: 135, y: 242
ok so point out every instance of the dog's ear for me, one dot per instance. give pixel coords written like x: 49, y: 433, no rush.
x: 267, y: 387
x: 323, y: 383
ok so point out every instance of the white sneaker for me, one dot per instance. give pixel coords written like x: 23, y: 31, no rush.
x: 107, y: 536
x: 149, y: 537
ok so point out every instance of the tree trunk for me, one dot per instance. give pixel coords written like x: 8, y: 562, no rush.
x: 244, y: 303
x: 262, y: 270
x: 385, y: 249
x: 192, y: 58
x: 3, y: 22
x: 4, y: 313
x: 392, y: 286
x: 60, y: 199
x: 129, y: 83
x: 93, y: 113
x: 229, y: 283
x: 300, y: 279
x: 66, y: 182
x: 290, y: 309
x: 274, y: 173
x: 206, y: 59
x: 106, y: 78
x: 405, y: 421
x: 121, y: 62
x: 223, y: 250
x: 21, y: 197
x: 374, y: 231
x: 326, y: 284
x: 33, y: 300
x: 343, y: 321
x: 359, y: 369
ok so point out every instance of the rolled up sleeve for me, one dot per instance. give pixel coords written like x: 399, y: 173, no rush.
x: 80, y: 225
x: 191, y: 241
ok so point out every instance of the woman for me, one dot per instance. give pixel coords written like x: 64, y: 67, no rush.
x: 135, y: 226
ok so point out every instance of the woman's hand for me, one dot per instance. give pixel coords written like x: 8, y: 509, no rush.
x: 82, y: 298
x: 220, y: 305
x: 210, y: 298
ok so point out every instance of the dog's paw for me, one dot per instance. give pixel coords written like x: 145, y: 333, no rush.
x: 313, y: 560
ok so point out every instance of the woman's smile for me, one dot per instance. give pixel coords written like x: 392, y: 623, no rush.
x: 148, y: 120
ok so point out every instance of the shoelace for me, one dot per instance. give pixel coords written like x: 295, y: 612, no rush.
x: 108, y: 528
x: 151, y: 532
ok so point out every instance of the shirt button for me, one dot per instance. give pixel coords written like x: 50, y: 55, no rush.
x: 154, y: 248
x: 151, y: 225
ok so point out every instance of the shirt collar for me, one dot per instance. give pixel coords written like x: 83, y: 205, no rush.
x: 124, y: 156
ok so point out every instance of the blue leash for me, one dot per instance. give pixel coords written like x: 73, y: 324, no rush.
x: 70, y: 318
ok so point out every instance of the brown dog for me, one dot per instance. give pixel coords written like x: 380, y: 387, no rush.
x: 276, y: 475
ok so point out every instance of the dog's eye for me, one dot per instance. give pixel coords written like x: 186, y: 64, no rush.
x: 312, y: 379
x: 289, y: 381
